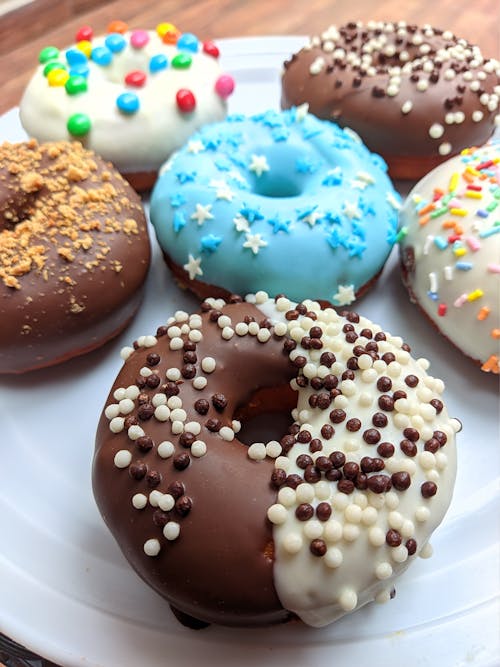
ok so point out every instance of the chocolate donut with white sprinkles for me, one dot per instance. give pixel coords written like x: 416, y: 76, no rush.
x: 314, y: 524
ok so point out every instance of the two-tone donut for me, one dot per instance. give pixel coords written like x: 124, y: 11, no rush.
x: 279, y: 201
x: 133, y: 96
x: 450, y: 251
x: 416, y: 95
x: 315, y: 523
x: 74, y: 253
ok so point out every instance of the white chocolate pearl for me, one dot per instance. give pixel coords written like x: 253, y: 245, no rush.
x: 200, y: 382
x: 195, y: 336
x: 173, y: 374
x: 116, y: 425
x: 426, y: 551
x: 159, y: 399
x: 122, y: 458
x: 166, y: 502
x: 208, y: 364
x: 226, y: 433
x: 383, y: 596
x: 165, y: 449
x: 280, y: 329
x: 139, y: 501
x: 350, y: 532
x: 282, y: 462
x: 198, y: 448
x: 176, y: 344
x: 273, y: 449
x: 154, y: 497
x: 178, y: 414
x: 171, y: 530
x: 383, y: 570
x: 253, y: 328
x: 126, y: 405
x: 427, y: 460
x: 135, y: 432
x: 112, y: 410
x: 152, y: 547
x: 287, y: 496
x: 313, y: 529
x: 119, y: 393
x: 376, y: 536
x: 322, y: 490
x: 332, y: 531
x: 277, y: 514
x: 304, y: 493
x: 257, y: 451
x: 162, y: 413
x: 224, y: 321
x: 333, y: 558
x: 422, y: 514
x: 264, y: 335
x: 227, y: 333
x: 193, y: 427
x: 292, y: 543
x: 353, y: 513
x: 174, y: 402
x: 126, y: 351
x: 399, y: 554
x: 348, y: 600
x: 241, y: 329
x: 407, y: 528
x: 369, y: 516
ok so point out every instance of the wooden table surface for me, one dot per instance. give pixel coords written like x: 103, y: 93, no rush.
x: 55, y: 22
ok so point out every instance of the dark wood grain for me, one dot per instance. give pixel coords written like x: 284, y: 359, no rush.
x: 55, y: 22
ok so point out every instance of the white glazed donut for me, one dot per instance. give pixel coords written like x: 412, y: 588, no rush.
x: 133, y: 96
x: 450, y: 251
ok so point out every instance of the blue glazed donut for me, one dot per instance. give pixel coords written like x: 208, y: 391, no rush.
x: 281, y: 202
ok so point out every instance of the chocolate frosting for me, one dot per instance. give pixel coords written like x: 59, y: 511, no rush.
x: 220, y: 568
x: 74, y: 253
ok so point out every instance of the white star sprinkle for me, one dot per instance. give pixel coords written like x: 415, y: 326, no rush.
x: 259, y: 165
x: 193, y: 267
x: 358, y: 184
x: 313, y: 218
x: 365, y: 177
x: 301, y: 112
x: 202, y: 213
x: 351, y: 210
x: 345, y: 295
x: 392, y: 201
x: 241, y: 224
x: 255, y: 242
x: 235, y: 174
x: 223, y: 190
x: 195, y: 146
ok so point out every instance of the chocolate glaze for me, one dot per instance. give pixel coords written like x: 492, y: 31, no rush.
x: 74, y: 253
x: 360, y: 101
x: 220, y: 568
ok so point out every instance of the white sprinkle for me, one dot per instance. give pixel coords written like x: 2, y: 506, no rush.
x: 348, y: 600
x: 273, y: 449
x: 376, y: 536
x: 427, y: 460
x: 125, y: 352
x: 112, y: 410
x: 200, y: 382
x: 159, y: 399
x: 176, y: 344
x: 120, y: 393
x: 208, y: 364
x: 332, y: 531
x: 174, y: 402
x: 383, y: 570
x: 135, y: 432
x: 399, y: 554
x: 277, y: 514
x: 241, y: 329
x: 227, y: 333
x: 422, y: 514
x: 317, y: 65
x: 253, y: 328
x: 436, y: 131
x: 171, y: 530
x: 178, y: 414
x: 122, y: 458
x: 257, y: 451
x: 132, y: 392
x: 350, y: 532
x: 226, y: 433
x: 236, y: 426
x: 165, y: 449
x: 177, y: 427
x: 116, y: 425
x: 139, y: 501
x: 263, y: 335
x: 198, y: 449
x: 369, y: 516
x: 173, y: 332
x: 333, y: 558
x: 313, y: 529
x: 173, y: 374
x: 166, y: 502
x: 145, y: 372
x: 292, y: 543
x: 154, y: 497
x: 406, y: 107
x: 152, y: 547
x: 477, y: 116
x: 126, y: 406
x: 162, y: 413
x: 444, y: 148
x: 305, y: 493
x: 193, y: 427
x: 195, y: 336
x: 287, y: 496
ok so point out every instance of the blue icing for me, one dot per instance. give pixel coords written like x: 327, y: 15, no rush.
x: 293, y: 220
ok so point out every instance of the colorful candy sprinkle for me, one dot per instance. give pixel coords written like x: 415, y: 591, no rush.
x: 115, y: 42
x: 139, y: 39
x: 79, y: 70
x: 78, y: 124
x: 76, y: 84
x: 128, y: 103
x: 186, y: 101
x: 101, y: 55
x: 85, y: 34
x: 57, y: 77
x: 182, y: 61
x: 157, y: 63
x: 188, y: 42
x: 224, y: 86
x: 136, y: 78
x: 75, y: 57
x: 211, y: 49
x: 48, y: 53
x: 117, y: 26
x: 85, y: 46
x: 163, y: 28
x: 53, y: 65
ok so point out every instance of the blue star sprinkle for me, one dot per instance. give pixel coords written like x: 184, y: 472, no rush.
x: 210, y: 243
x: 185, y: 176
x: 177, y: 200
x: 279, y: 225
x: 179, y: 221
x: 251, y: 214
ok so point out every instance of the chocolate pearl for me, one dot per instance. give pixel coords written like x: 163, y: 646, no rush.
x: 138, y: 470
x: 347, y: 328
x: 160, y: 518
x: 379, y: 483
x: 327, y: 359
x: 411, y: 545
x: 316, y: 383
x: 153, y: 478
x: 145, y: 411
x: 401, y: 480
x: 293, y: 480
x: 312, y: 315
x: 294, y: 429
x: 278, y: 477
x: 380, y: 335
x: 324, y: 511
x: 305, y: 343
x: 140, y: 382
x: 153, y: 380
x: 130, y: 421
x: 289, y: 345
x: 291, y: 315
x: 352, y: 316
x: 181, y: 461
x: 385, y: 449
x: 338, y: 459
x: 302, y: 381
x: 153, y: 359
x: 201, y: 406
x: 353, y: 425
x: 408, y: 447
x: 318, y: 548
x: 393, y: 538
x: 315, y: 445
x: 303, y: 460
x: 287, y: 442
x: 351, y: 336
x: 304, y: 512
x: 437, y: 405
x: 145, y: 443
x: 213, y: 425
x: 346, y: 486
x: 189, y: 357
x: 324, y: 401
x: 411, y: 380
x: 372, y: 346
x: 315, y: 332
x: 205, y: 307
x: 361, y: 481
x: 176, y: 489
x: 183, y: 505
x: 440, y: 437
x: 411, y: 434
x: 371, y: 436
x: 235, y: 298
x: 327, y: 431
x: 358, y: 350
x: 366, y: 333
x: 385, y: 402
x: 350, y: 470
x: 143, y: 398
x: 186, y: 439
x: 352, y: 365
x: 428, y: 489
x: 299, y: 361
x: 265, y: 323
x: 379, y: 420
x: 219, y: 401
x: 189, y: 346
x: 161, y: 331
x: 399, y: 394
x: 313, y: 400
x: 188, y: 371
x: 431, y: 445
x: 366, y: 464
x: 303, y: 436
x: 323, y: 463
x: 406, y: 347
x: 214, y: 315
x: 330, y: 381
x: 333, y: 475
x: 349, y: 374
x: 312, y: 474
x: 388, y: 357
x: 170, y: 389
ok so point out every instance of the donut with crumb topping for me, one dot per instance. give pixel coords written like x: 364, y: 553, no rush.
x: 415, y: 95
x: 312, y: 521
x: 74, y: 253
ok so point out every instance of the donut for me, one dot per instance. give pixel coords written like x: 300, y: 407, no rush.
x: 74, y: 253
x: 279, y: 201
x: 416, y: 95
x: 312, y: 523
x: 450, y: 251
x: 132, y: 96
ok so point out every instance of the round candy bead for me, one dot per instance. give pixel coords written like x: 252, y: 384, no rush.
x: 85, y: 46
x: 186, y: 101
x: 139, y: 39
x: 211, y: 49
x: 48, y: 53
x: 182, y: 61
x: 52, y: 65
x: 75, y: 57
x: 171, y: 36
x: 101, y: 55
x: 224, y: 86
x: 79, y: 70
x: 188, y: 42
x: 76, y: 84
x: 84, y: 34
x: 115, y: 42
x: 137, y: 78
x: 117, y: 26
x: 57, y: 77
x: 163, y: 28
x: 128, y: 103
x: 158, y: 62
x: 78, y: 124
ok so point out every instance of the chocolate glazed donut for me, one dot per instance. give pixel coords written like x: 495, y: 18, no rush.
x: 223, y: 557
x: 74, y: 253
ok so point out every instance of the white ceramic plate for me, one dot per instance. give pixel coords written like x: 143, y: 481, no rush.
x: 67, y: 592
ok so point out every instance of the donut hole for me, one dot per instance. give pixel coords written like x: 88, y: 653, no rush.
x: 277, y: 171
x: 266, y: 415
x: 277, y: 186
